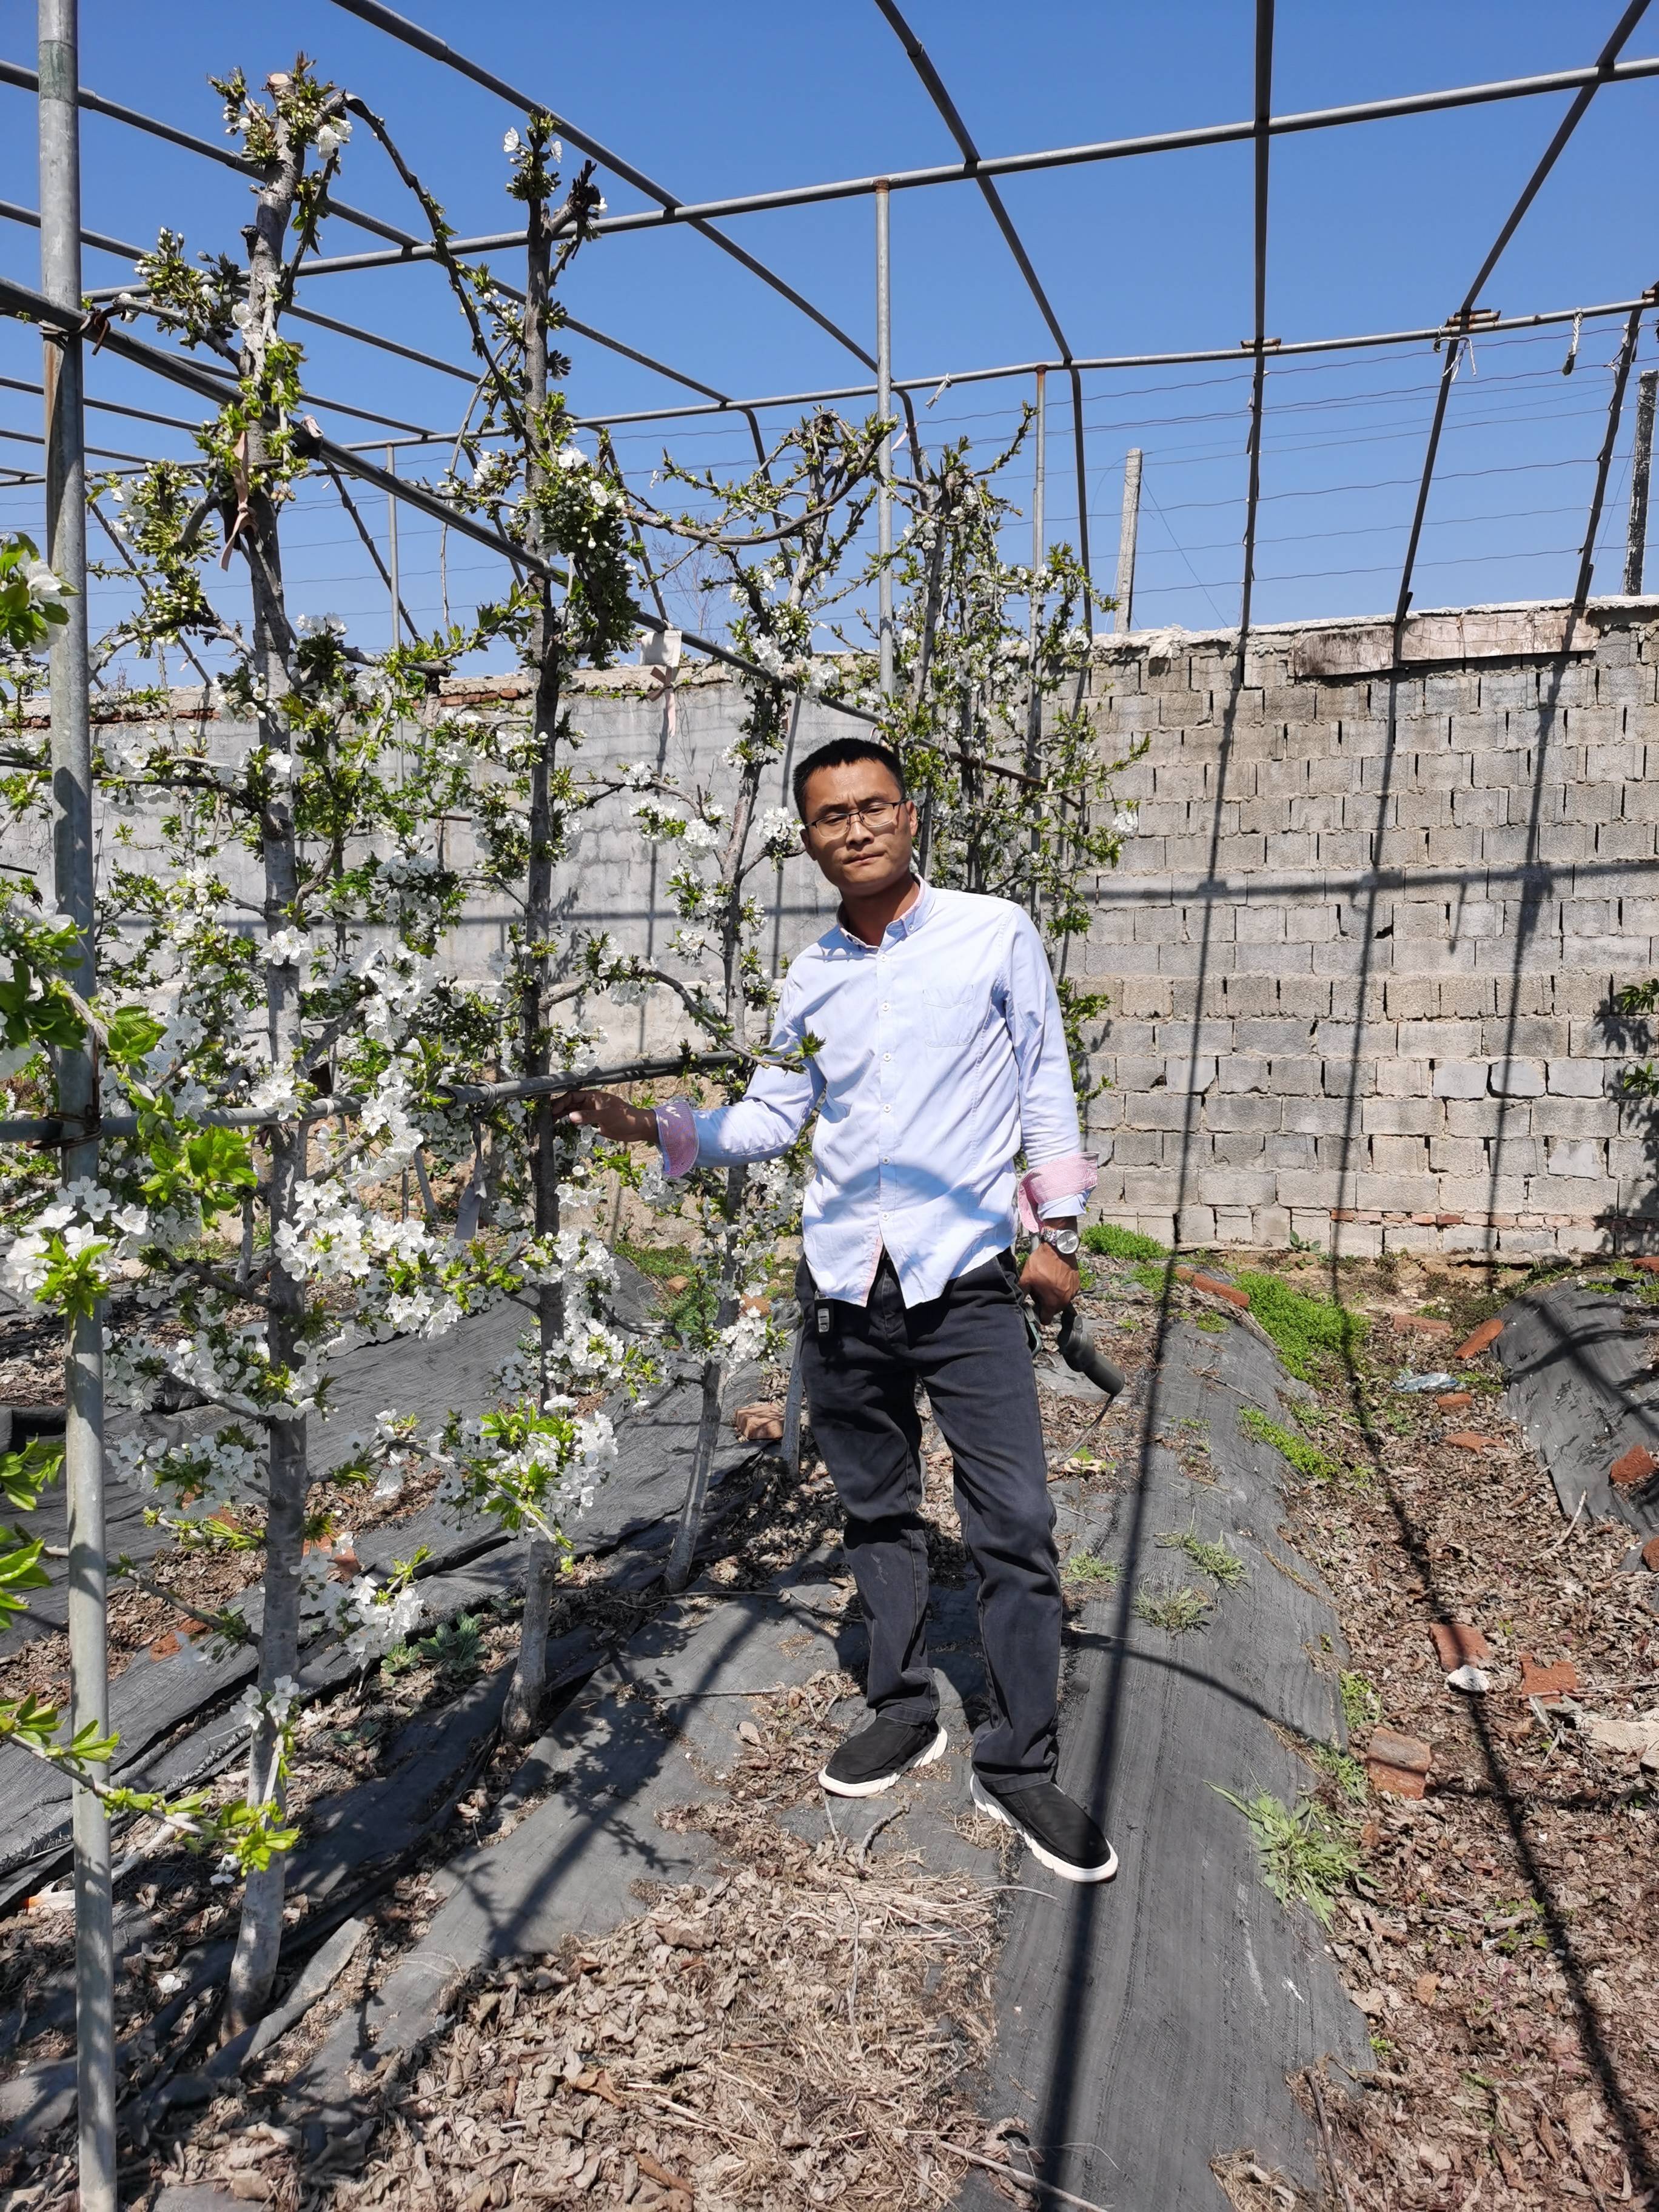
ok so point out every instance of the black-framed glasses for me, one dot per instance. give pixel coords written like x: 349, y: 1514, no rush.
x: 875, y: 814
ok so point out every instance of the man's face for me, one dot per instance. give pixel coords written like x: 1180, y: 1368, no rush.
x: 858, y: 828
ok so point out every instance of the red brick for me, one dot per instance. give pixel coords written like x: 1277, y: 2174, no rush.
x: 1651, y: 1266
x: 1453, y: 1401
x: 1459, y: 1644
x: 1389, y: 1749
x: 1418, y: 1325
x: 1634, y: 1468
x: 1449, y: 1221
x: 1474, y: 1345
x: 760, y: 1424
x: 1230, y: 1291
x: 1395, y: 1781
x: 1650, y: 1555
x: 1469, y: 1440
x: 1558, y: 1681
x: 164, y: 1646
x: 1343, y: 1213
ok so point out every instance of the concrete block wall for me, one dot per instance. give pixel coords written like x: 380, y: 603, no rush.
x: 1360, y: 952
x: 1362, y: 946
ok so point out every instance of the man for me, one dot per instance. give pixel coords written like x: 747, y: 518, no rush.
x: 939, y: 1054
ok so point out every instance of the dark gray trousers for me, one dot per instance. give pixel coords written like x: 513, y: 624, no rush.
x: 862, y: 1364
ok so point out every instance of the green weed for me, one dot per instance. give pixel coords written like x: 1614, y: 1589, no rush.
x: 1362, y: 1708
x: 401, y: 1659
x: 1094, y: 1573
x: 657, y: 1261
x: 1307, y: 1857
x: 1307, y: 1459
x: 1175, y: 1608
x: 455, y: 1649
x: 1309, y: 1333
x: 1212, y: 1324
x: 1222, y: 1566
x: 1345, y: 1772
x: 1152, y: 1279
x: 1106, y: 1237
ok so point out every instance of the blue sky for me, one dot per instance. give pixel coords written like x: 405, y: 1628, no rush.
x: 1375, y: 228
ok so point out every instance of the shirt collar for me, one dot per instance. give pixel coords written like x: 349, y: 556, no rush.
x: 911, y: 918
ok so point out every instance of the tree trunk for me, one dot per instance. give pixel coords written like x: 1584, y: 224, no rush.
x: 522, y: 1717
x: 683, y: 1557
x: 260, y: 1934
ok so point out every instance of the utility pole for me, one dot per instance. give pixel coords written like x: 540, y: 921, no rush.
x: 1641, y: 465
x: 77, y: 1082
x: 1126, y: 541
x: 885, y: 455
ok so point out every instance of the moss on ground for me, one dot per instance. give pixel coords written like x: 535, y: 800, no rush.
x: 1310, y: 1334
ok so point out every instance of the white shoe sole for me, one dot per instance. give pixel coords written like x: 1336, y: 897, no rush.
x: 923, y: 1758
x: 1055, y: 1864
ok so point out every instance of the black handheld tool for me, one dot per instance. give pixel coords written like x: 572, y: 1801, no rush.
x: 1078, y: 1350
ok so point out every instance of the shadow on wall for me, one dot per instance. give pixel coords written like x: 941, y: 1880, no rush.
x: 1362, y: 943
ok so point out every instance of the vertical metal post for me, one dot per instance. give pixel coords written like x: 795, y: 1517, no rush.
x: 1640, y: 467
x: 77, y: 1083
x: 884, y: 456
x: 392, y: 547
x: 1126, y: 541
x: 1039, y: 532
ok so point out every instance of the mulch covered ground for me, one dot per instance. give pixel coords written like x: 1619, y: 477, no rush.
x: 1503, y: 1936
x: 806, y: 2027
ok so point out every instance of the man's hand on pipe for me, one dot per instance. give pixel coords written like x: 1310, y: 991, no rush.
x: 611, y: 1116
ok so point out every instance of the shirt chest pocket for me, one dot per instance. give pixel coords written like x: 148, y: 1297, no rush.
x: 947, y: 1016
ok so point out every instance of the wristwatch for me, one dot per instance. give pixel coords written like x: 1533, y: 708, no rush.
x: 1064, y: 1241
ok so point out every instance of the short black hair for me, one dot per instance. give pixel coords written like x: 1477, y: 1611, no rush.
x: 842, y: 752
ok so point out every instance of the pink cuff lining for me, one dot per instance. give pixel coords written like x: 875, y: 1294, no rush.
x: 1073, y: 1176
x: 676, y: 1136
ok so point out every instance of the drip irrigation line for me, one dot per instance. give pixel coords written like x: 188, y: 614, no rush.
x: 1460, y: 318
x: 435, y: 49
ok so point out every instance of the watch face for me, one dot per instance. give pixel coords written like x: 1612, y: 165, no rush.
x: 1064, y: 1241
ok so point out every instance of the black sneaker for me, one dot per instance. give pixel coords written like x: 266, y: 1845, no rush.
x: 1056, y: 1827
x: 875, y: 1758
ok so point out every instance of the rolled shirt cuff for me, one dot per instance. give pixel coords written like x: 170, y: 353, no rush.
x: 1057, y: 1187
x: 677, y: 1138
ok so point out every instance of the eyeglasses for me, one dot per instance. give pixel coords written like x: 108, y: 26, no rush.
x: 876, y: 814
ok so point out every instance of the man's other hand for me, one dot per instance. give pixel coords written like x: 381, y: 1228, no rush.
x: 1051, y: 1280
x: 611, y: 1116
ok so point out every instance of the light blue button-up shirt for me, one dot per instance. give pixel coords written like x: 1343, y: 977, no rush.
x: 939, y: 1054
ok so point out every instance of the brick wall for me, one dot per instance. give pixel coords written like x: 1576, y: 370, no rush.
x: 1361, y: 947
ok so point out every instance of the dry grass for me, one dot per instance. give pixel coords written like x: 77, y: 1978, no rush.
x: 794, y: 2034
